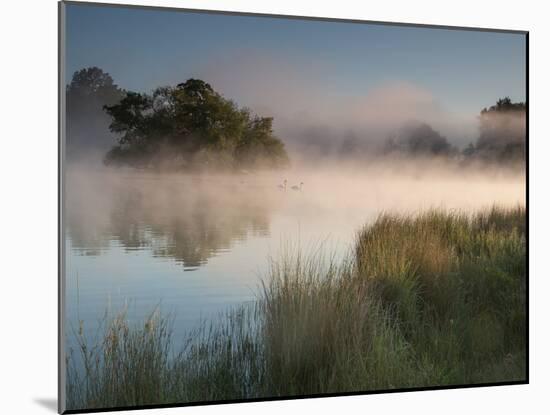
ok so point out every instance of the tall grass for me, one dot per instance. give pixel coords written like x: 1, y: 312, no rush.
x: 437, y: 298
x: 455, y: 284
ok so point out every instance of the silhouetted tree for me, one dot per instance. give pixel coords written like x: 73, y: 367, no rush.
x: 190, y: 126
x: 419, y: 139
x: 351, y: 145
x: 502, y: 132
x: 469, y: 150
x: 87, y: 124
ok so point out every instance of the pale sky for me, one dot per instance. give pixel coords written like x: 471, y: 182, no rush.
x: 303, y: 69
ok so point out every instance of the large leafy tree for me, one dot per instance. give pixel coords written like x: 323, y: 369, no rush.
x: 87, y: 124
x: 190, y: 126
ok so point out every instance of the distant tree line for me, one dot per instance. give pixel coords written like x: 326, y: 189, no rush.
x: 187, y: 126
x: 502, y: 137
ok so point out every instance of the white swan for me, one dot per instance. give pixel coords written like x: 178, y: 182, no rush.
x: 298, y: 188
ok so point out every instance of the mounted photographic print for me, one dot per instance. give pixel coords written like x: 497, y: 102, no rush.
x: 258, y: 207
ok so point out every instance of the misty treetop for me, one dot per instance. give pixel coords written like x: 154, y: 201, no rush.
x: 190, y: 126
x: 503, y: 132
x: 419, y: 139
x: 92, y: 84
x: 87, y: 123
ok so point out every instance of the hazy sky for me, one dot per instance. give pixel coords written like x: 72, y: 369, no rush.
x: 299, y: 68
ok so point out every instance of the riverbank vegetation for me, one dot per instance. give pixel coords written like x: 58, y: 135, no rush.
x: 433, y: 299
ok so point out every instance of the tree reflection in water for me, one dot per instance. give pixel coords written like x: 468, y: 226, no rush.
x: 187, y: 218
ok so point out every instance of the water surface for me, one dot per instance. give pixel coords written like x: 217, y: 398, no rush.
x: 195, y: 245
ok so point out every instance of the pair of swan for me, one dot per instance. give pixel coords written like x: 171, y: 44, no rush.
x: 295, y: 187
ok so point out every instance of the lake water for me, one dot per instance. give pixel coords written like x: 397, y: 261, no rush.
x: 196, y: 245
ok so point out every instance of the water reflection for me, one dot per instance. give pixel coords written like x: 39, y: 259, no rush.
x: 130, y: 236
x: 188, y: 219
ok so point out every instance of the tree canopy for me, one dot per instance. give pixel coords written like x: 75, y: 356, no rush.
x: 419, y: 139
x: 190, y: 126
x: 502, y: 135
x: 87, y: 124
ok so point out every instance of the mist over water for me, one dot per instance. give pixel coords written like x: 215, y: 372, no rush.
x: 196, y: 244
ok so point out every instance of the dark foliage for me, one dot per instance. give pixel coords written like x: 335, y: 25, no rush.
x: 87, y: 124
x: 502, y: 133
x: 419, y: 139
x: 190, y: 126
